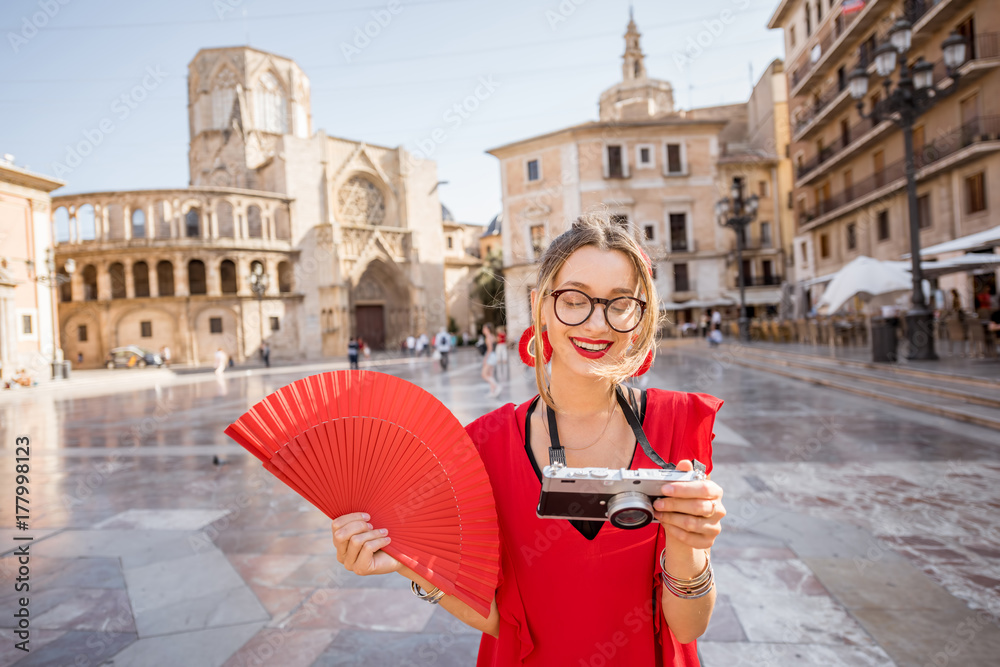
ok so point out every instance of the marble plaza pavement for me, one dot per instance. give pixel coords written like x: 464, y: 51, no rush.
x: 858, y: 533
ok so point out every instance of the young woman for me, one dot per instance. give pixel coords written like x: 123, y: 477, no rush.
x: 490, y: 360
x: 584, y: 592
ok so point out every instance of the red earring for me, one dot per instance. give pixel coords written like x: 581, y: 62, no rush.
x: 646, y: 365
x: 526, y: 346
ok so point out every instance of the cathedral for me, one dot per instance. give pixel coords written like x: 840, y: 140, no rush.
x: 283, y: 235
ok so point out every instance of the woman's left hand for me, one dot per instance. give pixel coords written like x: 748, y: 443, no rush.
x: 692, y: 511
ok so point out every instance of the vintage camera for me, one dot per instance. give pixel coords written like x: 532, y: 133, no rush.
x: 623, y: 497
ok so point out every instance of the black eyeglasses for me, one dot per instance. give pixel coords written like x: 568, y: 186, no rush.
x: 573, y: 307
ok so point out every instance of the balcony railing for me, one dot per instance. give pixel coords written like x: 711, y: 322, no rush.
x: 758, y: 281
x: 983, y: 46
x: 977, y: 131
x: 828, y: 35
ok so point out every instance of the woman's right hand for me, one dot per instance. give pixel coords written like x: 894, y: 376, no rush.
x: 359, y: 546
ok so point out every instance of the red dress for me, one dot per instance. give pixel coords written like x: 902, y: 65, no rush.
x: 567, y: 600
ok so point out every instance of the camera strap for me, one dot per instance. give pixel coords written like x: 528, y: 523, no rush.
x: 558, y: 455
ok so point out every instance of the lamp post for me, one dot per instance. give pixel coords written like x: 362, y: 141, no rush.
x: 736, y: 213
x: 259, y: 282
x: 53, y: 280
x: 903, y: 103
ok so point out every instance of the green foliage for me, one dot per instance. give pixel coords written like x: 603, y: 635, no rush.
x: 489, y: 288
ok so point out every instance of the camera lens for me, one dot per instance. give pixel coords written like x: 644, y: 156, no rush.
x: 630, y: 510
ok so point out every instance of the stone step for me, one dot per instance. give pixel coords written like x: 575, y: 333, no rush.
x: 936, y: 384
x: 951, y: 408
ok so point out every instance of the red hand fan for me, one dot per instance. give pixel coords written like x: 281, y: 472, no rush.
x: 359, y: 441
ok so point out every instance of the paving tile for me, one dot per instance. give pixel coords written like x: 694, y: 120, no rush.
x: 203, y: 648
x: 230, y: 606
x: 812, y: 619
x: 442, y: 623
x: 135, y: 547
x: 363, y: 609
x: 919, y: 637
x: 724, y: 626
x: 78, y: 648
x: 746, y: 577
x: 747, y: 654
x: 161, y: 519
x: 266, y: 569
x: 280, y: 602
x: 274, y: 647
x: 326, y: 572
x: 864, y: 583
x: 399, y: 649
x: 10, y: 654
x: 190, y: 593
x: 98, y: 609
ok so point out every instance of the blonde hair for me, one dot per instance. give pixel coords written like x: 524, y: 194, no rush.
x: 597, y: 229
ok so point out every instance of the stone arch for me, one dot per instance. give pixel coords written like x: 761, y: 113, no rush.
x: 192, y: 222
x: 197, y: 277
x: 271, y: 103
x: 87, y: 220
x: 286, y: 277
x: 140, y: 279
x: 138, y: 223
x: 116, y: 272
x: 228, y: 281
x: 165, y: 278
x: 380, y: 286
x: 223, y: 91
x: 89, y: 278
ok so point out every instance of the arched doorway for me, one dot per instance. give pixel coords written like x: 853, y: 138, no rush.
x: 381, y: 306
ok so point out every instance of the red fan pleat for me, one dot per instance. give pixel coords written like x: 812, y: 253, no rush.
x: 359, y: 441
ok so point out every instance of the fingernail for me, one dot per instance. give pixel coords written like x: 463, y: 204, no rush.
x: 369, y: 526
x: 667, y: 489
x: 384, y: 531
x: 365, y: 516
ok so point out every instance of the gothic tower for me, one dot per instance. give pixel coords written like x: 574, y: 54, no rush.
x: 241, y: 102
x: 633, y: 66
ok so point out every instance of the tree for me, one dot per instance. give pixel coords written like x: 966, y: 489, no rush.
x: 489, y: 288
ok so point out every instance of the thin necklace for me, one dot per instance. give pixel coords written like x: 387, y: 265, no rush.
x: 601, y: 435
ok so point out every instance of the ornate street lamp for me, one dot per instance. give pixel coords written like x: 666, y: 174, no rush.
x: 912, y: 95
x: 259, y: 282
x: 53, y: 280
x: 736, y: 213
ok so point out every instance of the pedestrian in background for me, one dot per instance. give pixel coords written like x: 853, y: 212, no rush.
x: 490, y: 360
x: 442, y: 345
x: 265, y: 353
x: 411, y: 345
x: 220, y: 361
x: 352, y: 352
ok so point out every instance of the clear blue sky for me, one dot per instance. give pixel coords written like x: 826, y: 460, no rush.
x: 549, y: 59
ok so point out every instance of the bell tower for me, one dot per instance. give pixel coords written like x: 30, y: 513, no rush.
x: 241, y: 103
x: 633, y: 67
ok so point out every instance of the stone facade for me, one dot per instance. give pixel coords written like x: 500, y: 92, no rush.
x: 28, y: 338
x: 850, y: 195
x: 350, y: 239
x: 656, y: 168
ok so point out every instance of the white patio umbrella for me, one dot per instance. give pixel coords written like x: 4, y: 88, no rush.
x: 865, y: 277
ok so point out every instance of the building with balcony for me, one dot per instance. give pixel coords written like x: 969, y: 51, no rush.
x: 849, y: 195
x: 29, y: 339
x: 347, y: 235
x: 659, y: 171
